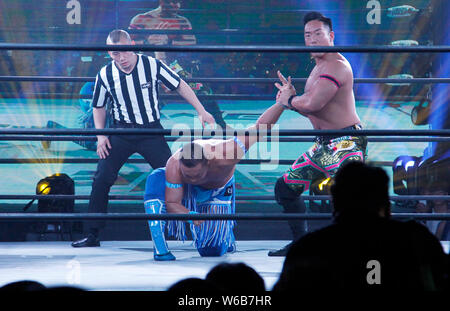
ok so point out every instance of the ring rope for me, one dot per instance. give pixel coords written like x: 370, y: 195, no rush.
x: 228, y: 48
x: 211, y: 48
x: 239, y: 198
x: 197, y: 132
x: 238, y: 216
x: 252, y: 97
x: 181, y: 139
x: 227, y: 80
x: 143, y: 161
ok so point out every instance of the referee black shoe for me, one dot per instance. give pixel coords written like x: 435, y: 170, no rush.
x: 89, y: 241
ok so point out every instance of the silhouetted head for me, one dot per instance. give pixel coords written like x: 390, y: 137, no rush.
x: 360, y: 191
x: 23, y: 286
x: 192, y: 285
x: 236, y: 277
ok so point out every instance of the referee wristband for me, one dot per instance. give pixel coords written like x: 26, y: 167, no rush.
x: 190, y: 221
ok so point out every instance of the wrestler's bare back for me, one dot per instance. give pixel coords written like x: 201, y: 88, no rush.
x: 340, y: 111
x: 219, y: 171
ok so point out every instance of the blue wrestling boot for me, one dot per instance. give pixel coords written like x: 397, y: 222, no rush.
x: 160, y: 250
x: 163, y: 257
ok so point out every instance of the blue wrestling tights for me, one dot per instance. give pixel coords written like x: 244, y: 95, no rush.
x: 217, y: 250
x: 160, y: 250
x: 214, y: 237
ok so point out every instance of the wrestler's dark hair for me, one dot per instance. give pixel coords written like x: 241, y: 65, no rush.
x: 192, y: 155
x: 316, y: 16
x: 360, y: 191
x: 117, y: 34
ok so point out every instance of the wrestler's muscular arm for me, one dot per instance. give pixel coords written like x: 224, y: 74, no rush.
x: 319, y: 94
x: 264, y: 122
x: 232, y: 153
x: 174, y: 196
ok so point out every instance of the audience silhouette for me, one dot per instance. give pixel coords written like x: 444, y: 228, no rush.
x: 364, y: 248
x: 34, y: 286
x: 23, y: 286
x: 192, y: 286
x: 236, y: 277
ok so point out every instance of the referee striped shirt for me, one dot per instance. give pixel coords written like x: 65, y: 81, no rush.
x: 135, y: 95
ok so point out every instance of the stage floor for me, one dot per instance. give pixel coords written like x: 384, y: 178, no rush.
x: 125, y: 265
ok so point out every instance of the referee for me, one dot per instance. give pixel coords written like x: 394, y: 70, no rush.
x: 130, y: 81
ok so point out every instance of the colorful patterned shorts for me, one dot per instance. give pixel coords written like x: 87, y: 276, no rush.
x: 323, y: 160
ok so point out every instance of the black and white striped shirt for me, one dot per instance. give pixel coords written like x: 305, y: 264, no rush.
x: 134, y: 95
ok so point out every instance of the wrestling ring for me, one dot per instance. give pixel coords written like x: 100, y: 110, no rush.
x: 128, y: 265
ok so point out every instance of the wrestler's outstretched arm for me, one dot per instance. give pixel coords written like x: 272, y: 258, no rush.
x: 233, y: 150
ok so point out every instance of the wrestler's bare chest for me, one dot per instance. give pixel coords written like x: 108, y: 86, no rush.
x: 218, y: 175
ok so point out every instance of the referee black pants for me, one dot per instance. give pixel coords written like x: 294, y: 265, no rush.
x: 153, y: 148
